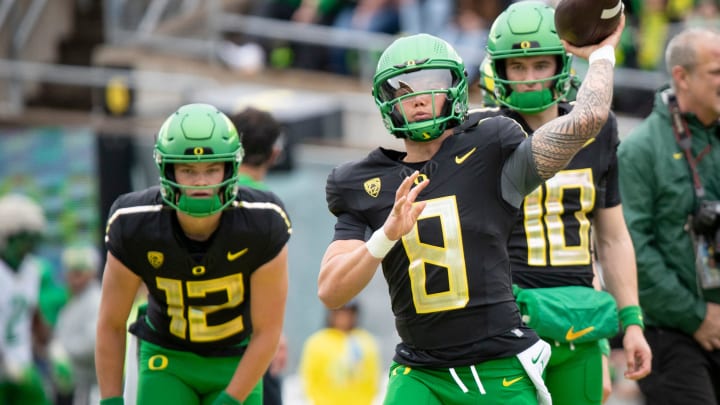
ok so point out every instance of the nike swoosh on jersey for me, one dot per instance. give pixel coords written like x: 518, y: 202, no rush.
x: 572, y: 334
x: 233, y: 256
x: 507, y: 383
x: 460, y: 159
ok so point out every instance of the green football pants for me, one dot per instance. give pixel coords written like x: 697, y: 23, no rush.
x: 493, y: 382
x: 184, y: 378
x: 574, y: 374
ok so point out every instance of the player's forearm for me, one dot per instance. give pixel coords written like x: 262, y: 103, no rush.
x: 556, y: 142
x: 110, y: 360
x: 617, y: 258
x: 594, y: 98
x: 344, y: 274
x: 255, y: 361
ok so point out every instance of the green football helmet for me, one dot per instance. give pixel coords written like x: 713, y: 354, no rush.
x: 527, y: 28
x: 419, y: 65
x: 198, y: 133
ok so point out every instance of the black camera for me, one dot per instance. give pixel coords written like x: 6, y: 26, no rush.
x: 706, y: 222
x: 707, y: 217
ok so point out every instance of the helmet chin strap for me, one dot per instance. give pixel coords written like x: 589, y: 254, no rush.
x: 427, y: 130
x: 531, y: 101
x: 199, y: 207
x: 422, y: 132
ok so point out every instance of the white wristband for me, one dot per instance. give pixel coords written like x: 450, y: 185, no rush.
x: 606, y: 52
x: 379, y: 245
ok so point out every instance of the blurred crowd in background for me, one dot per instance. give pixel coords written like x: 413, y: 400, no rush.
x: 463, y: 23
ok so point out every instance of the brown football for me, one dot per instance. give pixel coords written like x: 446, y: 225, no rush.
x: 587, y: 22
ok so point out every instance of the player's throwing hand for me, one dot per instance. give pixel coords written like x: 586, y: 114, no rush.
x: 405, y: 211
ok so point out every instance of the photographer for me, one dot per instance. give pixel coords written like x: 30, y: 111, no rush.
x: 670, y: 185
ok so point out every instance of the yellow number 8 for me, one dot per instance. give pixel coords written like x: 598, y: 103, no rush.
x: 450, y: 256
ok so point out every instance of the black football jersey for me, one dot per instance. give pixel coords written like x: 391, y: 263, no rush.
x: 550, y: 245
x: 199, y: 292
x: 449, y: 278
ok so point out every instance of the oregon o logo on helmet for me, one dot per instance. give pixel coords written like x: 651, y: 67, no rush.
x: 525, y: 44
x: 199, y: 150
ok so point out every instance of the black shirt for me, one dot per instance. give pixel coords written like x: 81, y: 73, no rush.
x: 550, y: 245
x: 199, y: 292
x: 449, y: 278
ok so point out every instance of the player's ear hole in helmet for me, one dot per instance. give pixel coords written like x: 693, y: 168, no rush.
x: 525, y: 29
x: 420, y: 66
x: 198, y: 133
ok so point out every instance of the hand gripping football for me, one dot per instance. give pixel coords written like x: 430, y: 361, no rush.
x: 587, y: 22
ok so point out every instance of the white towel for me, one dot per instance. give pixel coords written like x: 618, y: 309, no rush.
x: 534, y: 360
x: 131, y: 370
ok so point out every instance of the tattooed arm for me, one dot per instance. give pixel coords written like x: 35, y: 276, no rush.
x: 556, y: 142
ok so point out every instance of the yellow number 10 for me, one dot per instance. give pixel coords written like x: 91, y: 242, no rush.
x: 538, y: 226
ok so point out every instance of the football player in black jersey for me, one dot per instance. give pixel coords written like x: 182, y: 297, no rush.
x: 551, y: 245
x: 214, y: 259
x: 440, y: 213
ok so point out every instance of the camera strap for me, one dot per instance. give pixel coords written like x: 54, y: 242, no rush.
x: 683, y: 137
x: 705, y: 248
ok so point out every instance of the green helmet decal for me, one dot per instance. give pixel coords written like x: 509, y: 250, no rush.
x: 198, y: 133
x: 527, y: 28
x: 415, y: 66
